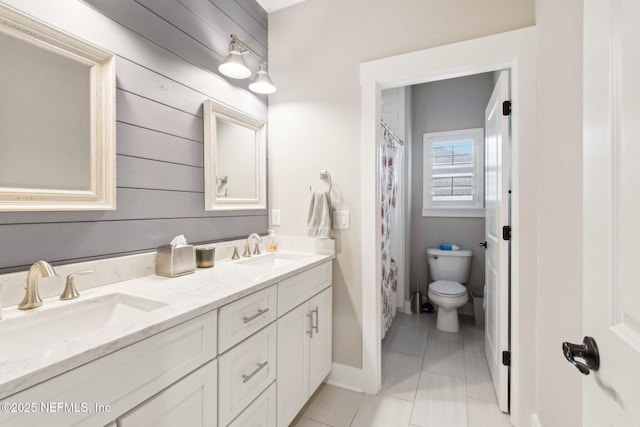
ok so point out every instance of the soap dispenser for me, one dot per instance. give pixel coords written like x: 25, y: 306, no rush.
x: 272, y: 246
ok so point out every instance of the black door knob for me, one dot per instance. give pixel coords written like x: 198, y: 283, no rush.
x: 587, y: 351
x: 484, y: 244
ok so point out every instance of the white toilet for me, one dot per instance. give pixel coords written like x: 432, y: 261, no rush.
x: 449, y: 270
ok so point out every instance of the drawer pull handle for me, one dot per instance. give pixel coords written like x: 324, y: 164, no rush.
x: 315, y: 310
x: 310, y: 331
x: 246, y: 377
x: 259, y: 313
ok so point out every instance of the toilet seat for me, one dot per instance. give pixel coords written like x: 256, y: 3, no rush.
x: 447, y: 288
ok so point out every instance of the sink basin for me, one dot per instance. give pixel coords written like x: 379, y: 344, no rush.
x: 39, y: 330
x: 272, y: 260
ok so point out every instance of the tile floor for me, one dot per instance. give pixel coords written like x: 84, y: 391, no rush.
x: 430, y: 378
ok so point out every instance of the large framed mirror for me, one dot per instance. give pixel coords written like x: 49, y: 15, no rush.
x: 57, y: 119
x: 235, y: 164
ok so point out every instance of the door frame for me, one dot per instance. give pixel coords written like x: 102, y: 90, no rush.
x: 513, y: 50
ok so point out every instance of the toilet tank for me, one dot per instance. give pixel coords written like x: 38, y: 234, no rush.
x: 449, y: 265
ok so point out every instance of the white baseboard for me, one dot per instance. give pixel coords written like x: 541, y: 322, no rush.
x: 346, y: 377
x: 535, y: 421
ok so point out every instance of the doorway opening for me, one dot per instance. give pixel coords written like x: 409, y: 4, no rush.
x: 449, y: 172
x: 513, y: 51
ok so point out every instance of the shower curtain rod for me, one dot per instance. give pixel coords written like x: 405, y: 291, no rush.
x: 388, y: 129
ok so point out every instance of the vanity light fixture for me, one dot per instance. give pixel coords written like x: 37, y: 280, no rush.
x: 262, y: 82
x: 235, y: 67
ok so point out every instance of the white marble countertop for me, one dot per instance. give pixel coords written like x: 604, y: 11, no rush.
x: 185, y: 297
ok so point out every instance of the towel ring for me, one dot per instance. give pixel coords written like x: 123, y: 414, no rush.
x: 324, y: 174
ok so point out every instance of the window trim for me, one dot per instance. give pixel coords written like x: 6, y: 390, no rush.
x: 453, y: 209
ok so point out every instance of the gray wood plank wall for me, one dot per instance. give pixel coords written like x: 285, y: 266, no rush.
x: 167, y: 52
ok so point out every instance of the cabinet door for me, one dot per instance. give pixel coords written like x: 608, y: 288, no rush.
x: 320, y: 342
x: 189, y: 402
x: 293, y: 363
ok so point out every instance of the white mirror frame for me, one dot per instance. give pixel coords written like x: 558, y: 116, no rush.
x: 212, y: 111
x: 101, y: 194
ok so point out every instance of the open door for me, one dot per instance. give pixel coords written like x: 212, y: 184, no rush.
x: 497, y: 185
x: 611, y: 212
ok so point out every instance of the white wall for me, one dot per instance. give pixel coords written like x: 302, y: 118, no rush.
x: 315, y: 49
x: 559, y: 210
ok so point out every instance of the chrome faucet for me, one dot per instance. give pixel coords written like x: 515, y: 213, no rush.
x: 247, y: 250
x: 32, y: 297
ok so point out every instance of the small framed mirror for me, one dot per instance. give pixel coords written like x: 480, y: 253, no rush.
x: 57, y: 119
x: 235, y: 164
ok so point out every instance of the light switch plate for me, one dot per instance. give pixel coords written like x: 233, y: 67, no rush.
x: 341, y: 220
x: 275, y: 216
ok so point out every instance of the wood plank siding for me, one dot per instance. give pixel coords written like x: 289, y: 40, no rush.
x: 168, y: 52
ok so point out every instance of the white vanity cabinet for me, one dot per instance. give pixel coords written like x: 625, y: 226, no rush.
x: 304, y: 339
x: 105, y: 389
x: 252, y: 362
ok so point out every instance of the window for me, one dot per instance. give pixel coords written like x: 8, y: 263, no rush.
x: 453, y: 173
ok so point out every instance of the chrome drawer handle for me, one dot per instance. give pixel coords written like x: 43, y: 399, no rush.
x: 315, y: 310
x: 310, y: 331
x: 246, y: 377
x: 259, y: 313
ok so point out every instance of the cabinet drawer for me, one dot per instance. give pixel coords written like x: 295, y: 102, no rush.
x: 261, y: 413
x: 242, y: 318
x: 191, y: 401
x: 297, y: 289
x: 245, y: 371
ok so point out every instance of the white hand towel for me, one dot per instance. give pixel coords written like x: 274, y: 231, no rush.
x: 319, y: 218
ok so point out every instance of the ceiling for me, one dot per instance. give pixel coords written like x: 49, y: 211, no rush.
x: 273, y: 5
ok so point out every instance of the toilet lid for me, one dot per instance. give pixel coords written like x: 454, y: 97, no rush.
x: 447, y: 287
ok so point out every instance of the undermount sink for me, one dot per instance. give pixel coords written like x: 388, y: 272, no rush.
x: 272, y: 260
x: 41, y: 329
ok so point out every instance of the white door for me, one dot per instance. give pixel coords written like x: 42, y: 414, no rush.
x: 497, y: 249
x: 611, y: 210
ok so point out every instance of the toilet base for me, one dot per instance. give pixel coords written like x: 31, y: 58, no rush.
x: 447, y: 317
x: 447, y: 320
